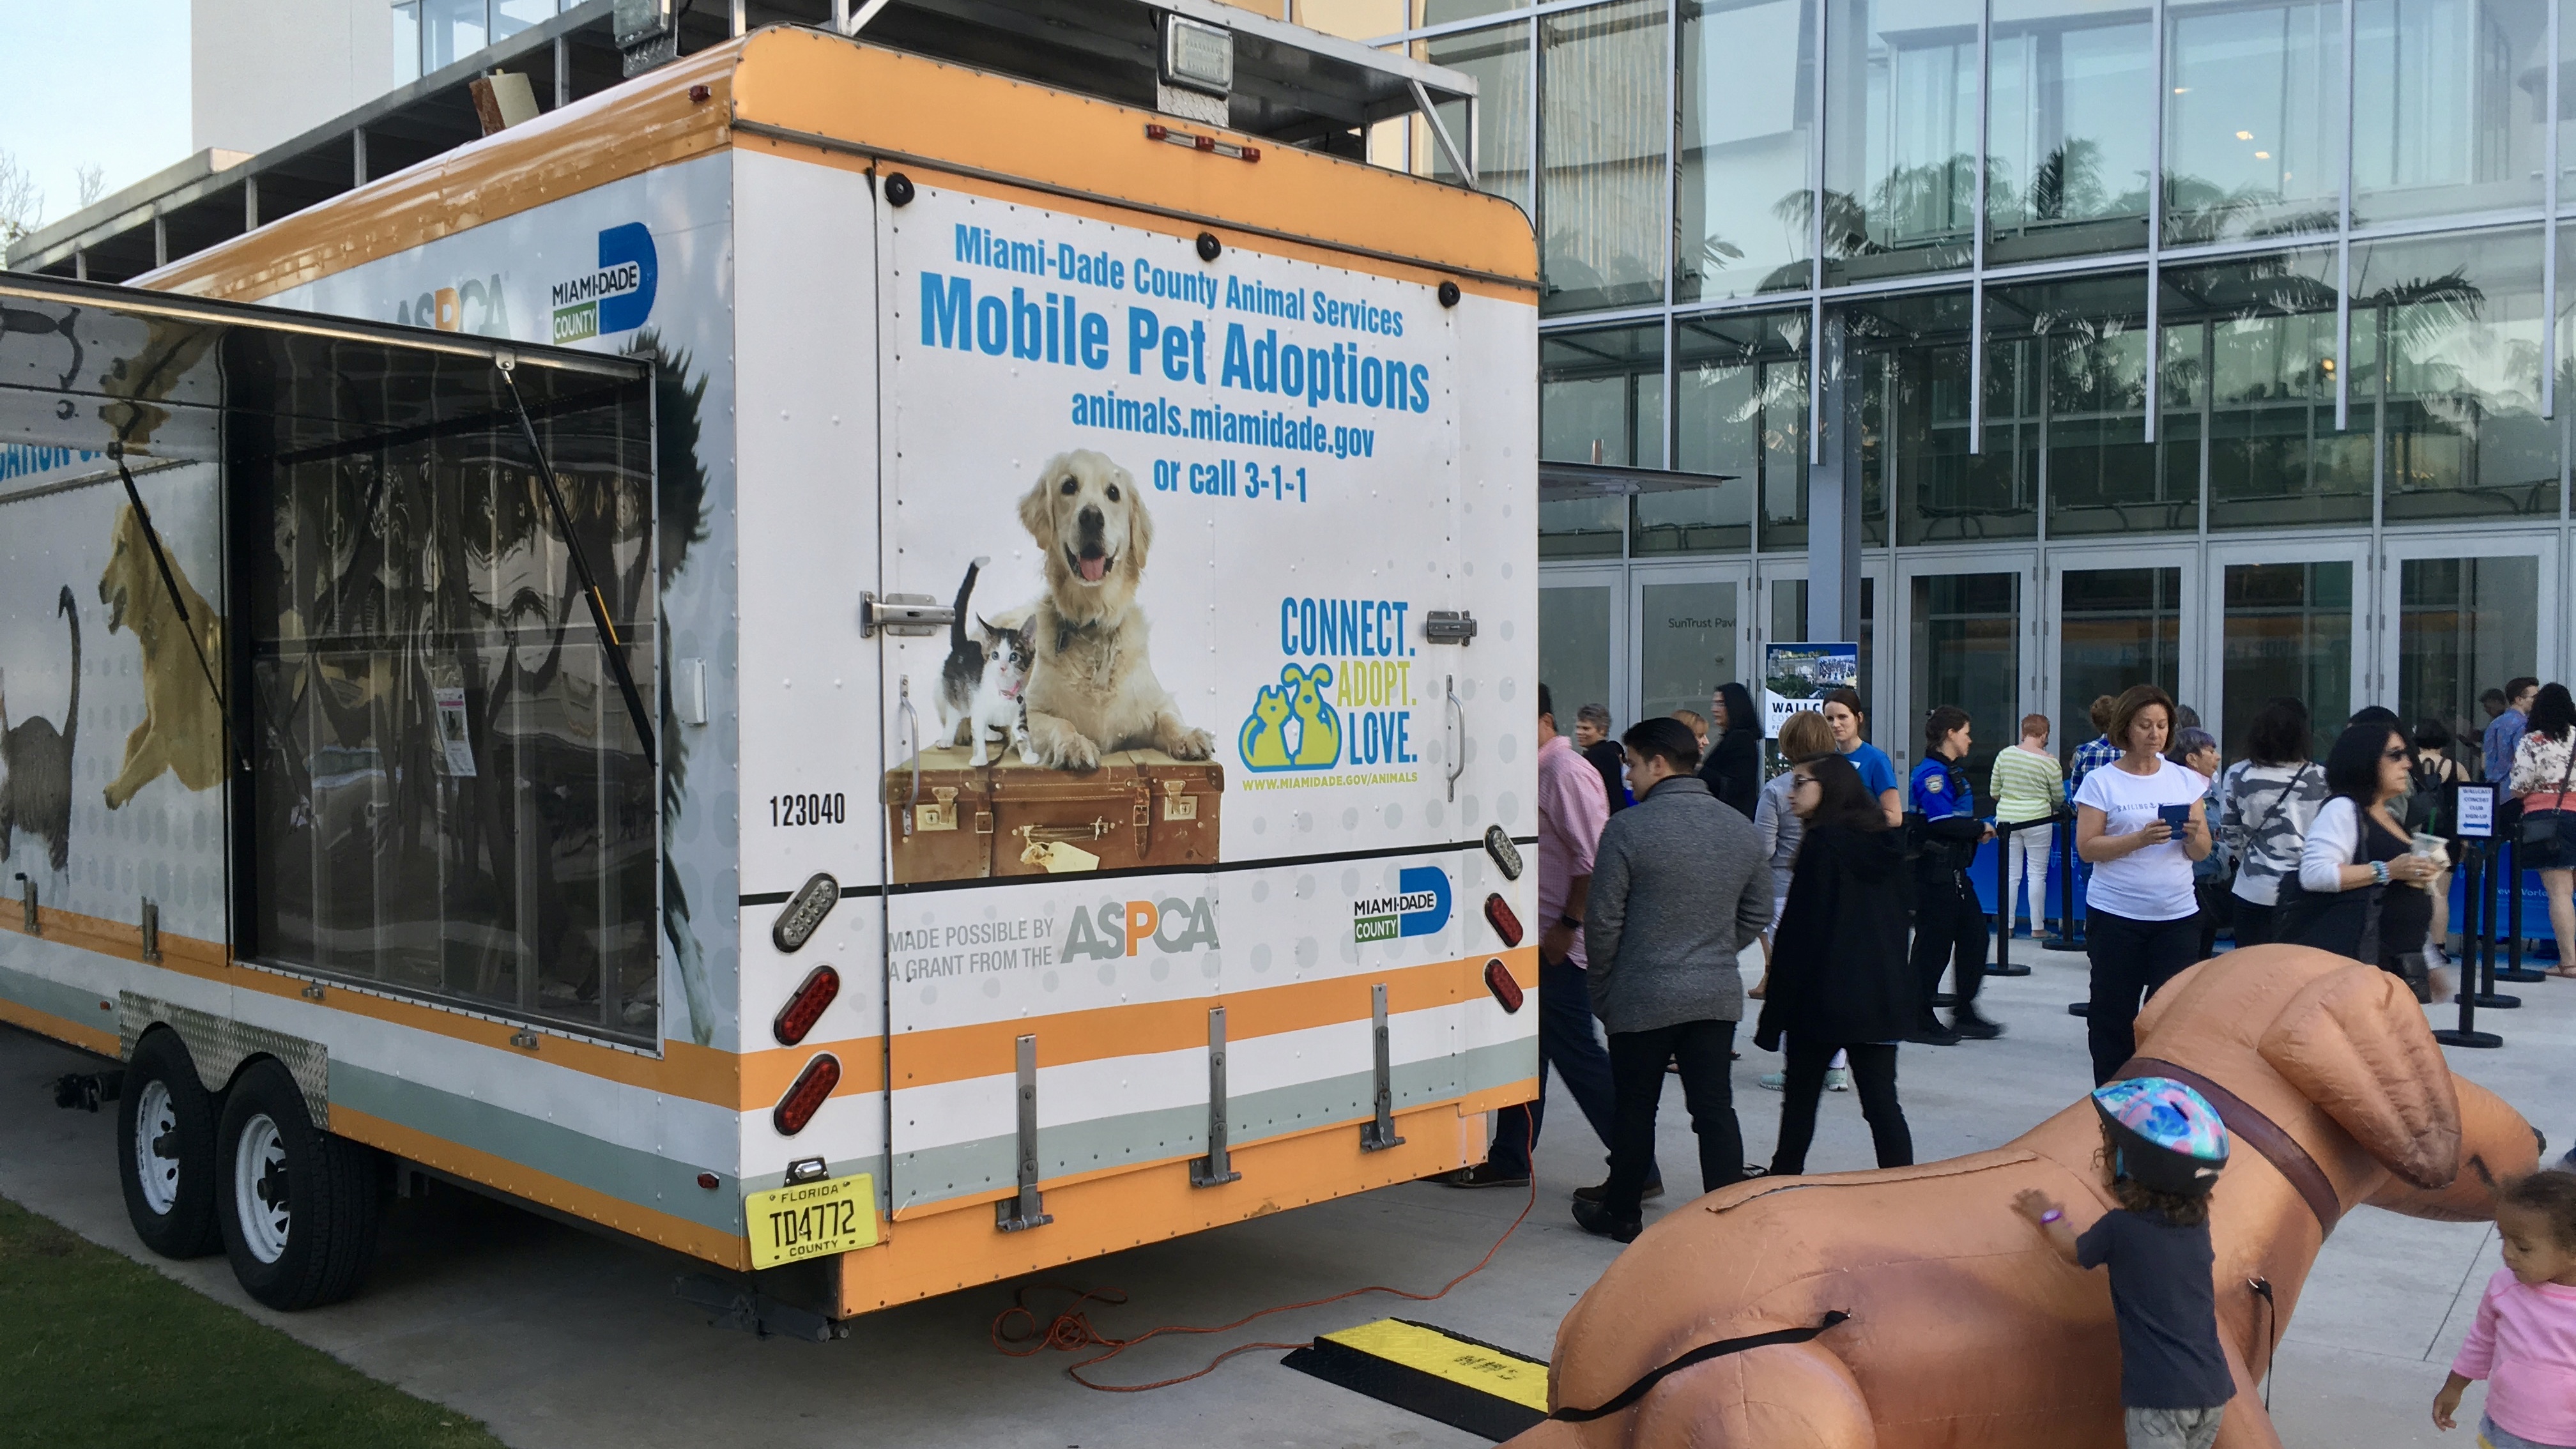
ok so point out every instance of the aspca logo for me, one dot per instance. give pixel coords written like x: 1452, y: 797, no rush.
x: 1419, y: 907
x: 616, y: 297
x: 1114, y: 930
x: 1293, y: 727
x: 475, y: 304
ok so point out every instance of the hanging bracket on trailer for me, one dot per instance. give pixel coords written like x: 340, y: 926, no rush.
x: 1217, y: 1168
x: 1379, y: 1135
x: 917, y: 616
x: 1027, y: 1209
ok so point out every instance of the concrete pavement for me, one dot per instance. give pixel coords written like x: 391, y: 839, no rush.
x: 561, y: 1340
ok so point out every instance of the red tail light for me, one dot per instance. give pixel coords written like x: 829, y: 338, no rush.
x: 819, y: 989
x: 1498, y: 914
x: 813, y: 1084
x: 1498, y: 980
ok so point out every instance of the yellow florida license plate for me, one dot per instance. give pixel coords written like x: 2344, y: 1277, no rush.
x: 811, y: 1219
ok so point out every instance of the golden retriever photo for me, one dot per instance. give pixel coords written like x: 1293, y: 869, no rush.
x: 182, y: 730
x: 1093, y: 690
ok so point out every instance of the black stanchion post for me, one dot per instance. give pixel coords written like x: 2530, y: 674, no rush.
x: 2070, y: 936
x: 2479, y: 901
x: 2513, y: 969
x: 2004, y: 903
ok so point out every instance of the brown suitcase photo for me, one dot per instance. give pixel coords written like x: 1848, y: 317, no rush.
x: 967, y: 822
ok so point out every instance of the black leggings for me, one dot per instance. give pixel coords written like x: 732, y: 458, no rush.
x: 1873, y: 1069
x: 2131, y: 959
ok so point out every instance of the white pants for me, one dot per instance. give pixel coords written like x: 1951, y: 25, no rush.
x: 2026, y: 861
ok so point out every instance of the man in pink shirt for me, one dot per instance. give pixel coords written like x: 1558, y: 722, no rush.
x: 1572, y: 809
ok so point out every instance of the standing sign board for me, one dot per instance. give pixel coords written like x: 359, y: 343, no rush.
x: 1799, y: 676
x: 2474, y: 817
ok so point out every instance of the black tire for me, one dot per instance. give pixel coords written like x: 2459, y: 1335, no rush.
x: 317, y: 1249
x: 174, y: 1212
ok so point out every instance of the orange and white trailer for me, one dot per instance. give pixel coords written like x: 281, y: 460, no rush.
x: 598, y: 787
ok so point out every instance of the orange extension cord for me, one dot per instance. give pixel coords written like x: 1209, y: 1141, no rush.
x: 1070, y: 1329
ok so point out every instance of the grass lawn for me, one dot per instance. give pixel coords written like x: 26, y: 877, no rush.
x: 96, y: 1349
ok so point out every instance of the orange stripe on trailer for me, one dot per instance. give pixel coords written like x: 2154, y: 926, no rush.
x: 958, y: 1053
x: 957, y: 1247
x: 45, y: 1023
x: 695, y: 1239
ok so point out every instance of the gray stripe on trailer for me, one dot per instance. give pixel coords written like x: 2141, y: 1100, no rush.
x: 627, y: 1173
x: 958, y: 1169
x: 74, y: 1004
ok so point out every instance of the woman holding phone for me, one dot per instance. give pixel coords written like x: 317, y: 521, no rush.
x: 2139, y: 821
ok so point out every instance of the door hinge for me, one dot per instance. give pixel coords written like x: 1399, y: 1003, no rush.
x: 915, y: 615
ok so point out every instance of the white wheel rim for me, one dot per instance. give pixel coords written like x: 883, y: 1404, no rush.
x: 259, y: 1189
x: 156, y: 1147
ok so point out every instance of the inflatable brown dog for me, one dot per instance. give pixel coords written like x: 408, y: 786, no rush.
x: 1963, y: 1328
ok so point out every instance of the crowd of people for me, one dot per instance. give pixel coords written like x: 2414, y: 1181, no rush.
x: 1664, y: 854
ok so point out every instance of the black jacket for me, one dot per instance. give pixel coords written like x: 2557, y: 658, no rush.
x: 1608, y: 757
x: 1838, y: 960
x: 1733, y: 769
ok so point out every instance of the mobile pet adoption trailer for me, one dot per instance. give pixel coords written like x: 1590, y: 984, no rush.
x: 850, y: 664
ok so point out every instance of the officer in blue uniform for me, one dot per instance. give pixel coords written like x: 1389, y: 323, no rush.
x: 1949, y: 924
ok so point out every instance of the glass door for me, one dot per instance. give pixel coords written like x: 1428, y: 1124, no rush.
x: 2289, y: 622
x: 2458, y: 617
x: 1693, y: 627
x: 2118, y: 618
x: 1780, y: 599
x: 1967, y: 643
x: 1583, y: 638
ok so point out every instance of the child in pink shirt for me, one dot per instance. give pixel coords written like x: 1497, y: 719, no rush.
x: 2524, y: 1342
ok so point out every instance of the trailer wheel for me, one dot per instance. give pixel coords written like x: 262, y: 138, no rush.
x: 298, y: 1205
x: 165, y: 1137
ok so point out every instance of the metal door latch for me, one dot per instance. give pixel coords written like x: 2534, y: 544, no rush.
x: 917, y: 616
x: 1448, y: 626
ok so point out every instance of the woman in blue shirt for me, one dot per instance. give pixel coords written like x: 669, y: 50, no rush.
x: 1844, y: 717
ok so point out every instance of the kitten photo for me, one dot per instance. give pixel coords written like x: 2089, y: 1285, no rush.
x: 983, y: 681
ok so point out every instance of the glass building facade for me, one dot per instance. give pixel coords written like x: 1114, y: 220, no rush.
x: 2213, y: 343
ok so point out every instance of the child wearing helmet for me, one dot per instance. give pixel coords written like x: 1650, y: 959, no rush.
x: 2162, y: 1148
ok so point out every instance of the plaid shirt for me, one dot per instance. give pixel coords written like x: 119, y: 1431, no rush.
x: 2089, y: 756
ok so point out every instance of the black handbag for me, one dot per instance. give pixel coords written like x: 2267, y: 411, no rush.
x: 2344, y: 922
x: 2549, y: 827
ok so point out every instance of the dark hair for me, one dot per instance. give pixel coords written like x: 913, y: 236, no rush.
x: 2374, y: 714
x: 2514, y: 687
x: 1937, y: 725
x: 2132, y: 702
x: 1841, y: 798
x: 2191, y: 740
x: 1596, y: 715
x: 2137, y: 1197
x: 1667, y: 738
x: 2279, y: 733
x: 2550, y: 1193
x: 2493, y: 696
x: 2553, y: 712
x: 2185, y: 718
x: 1848, y: 698
x: 1740, y: 714
x: 1546, y: 702
x: 2101, y: 712
x: 2352, y: 766
x: 2432, y: 734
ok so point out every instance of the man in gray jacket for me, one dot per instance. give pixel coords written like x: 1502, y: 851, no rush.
x: 1679, y: 885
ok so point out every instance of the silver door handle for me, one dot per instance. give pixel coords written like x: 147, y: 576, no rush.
x: 1458, y: 745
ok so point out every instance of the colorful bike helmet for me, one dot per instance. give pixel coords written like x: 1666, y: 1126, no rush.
x: 2164, y: 1136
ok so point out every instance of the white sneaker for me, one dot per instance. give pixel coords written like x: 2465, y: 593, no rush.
x: 1837, y: 1079
x: 1775, y: 1081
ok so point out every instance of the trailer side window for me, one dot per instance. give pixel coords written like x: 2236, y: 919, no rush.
x: 447, y: 797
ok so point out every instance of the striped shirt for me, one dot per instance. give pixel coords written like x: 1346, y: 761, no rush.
x: 2026, y: 785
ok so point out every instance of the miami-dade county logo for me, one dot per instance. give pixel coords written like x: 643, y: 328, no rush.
x: 615, y: 298
x: 1419, y: 906
x: 1293, y: 727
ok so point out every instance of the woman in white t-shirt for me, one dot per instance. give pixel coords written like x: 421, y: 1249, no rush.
x: 2141, y: 918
